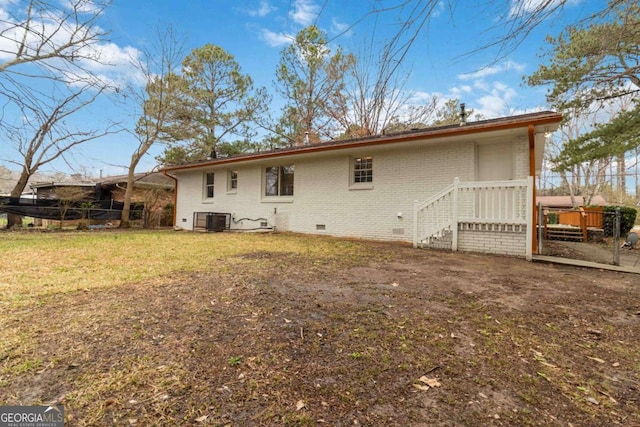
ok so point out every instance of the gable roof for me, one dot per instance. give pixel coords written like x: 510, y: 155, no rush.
x: 549, y: 120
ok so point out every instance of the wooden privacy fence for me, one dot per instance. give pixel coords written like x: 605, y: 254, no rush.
x: 591, y: 217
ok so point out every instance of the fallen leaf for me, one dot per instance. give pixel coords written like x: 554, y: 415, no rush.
x: 202, y: 418
x: 593, y: 400
x: 300, y: 405
x: 421, y: 387
x: 287, y: 320
x: 395, y: 285
x: 431, y: 382
x: 133, y: 421
x: 596, y: 359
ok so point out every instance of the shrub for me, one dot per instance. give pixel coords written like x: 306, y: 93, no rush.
x: 627, y: 219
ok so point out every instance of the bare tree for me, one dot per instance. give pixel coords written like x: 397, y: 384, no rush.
x: 57, y: 37
x: 48, y: 48
x: 374, y: 97
x: 511, y: 21
x: 72, y: 197
x: 158, y: 101
x: 45, y: 136
x: 584, y: 178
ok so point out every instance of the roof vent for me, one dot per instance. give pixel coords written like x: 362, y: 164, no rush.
x: 463, y: 114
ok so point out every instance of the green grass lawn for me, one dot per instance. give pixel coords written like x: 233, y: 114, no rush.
x: 171, y: 328
x: 38, y: 265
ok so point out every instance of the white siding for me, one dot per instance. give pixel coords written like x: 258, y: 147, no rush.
x: 323, y: 195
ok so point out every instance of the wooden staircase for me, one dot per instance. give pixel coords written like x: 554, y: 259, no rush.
x: 565, y: 233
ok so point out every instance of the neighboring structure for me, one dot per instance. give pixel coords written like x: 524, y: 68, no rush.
x: 153, y: 192
x: 567, y: 202
x: 467, y: 187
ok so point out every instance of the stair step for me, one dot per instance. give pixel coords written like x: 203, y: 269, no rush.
x: 558, y: 233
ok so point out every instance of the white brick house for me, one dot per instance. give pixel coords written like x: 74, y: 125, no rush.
x: 400, y: 187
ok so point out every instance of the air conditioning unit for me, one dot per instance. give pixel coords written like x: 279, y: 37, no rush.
x: 216, y: 222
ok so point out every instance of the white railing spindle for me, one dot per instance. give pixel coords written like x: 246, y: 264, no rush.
x: 492, y: 203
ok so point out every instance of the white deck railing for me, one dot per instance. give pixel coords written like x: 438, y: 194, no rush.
x: 481, y: 202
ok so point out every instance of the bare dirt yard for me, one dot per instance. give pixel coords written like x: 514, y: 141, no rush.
x: 324, y: 331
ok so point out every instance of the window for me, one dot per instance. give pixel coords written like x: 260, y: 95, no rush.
x: 362, y: 170
x: 208, y: 185
x: 278, y: 181
x: 232, y: 183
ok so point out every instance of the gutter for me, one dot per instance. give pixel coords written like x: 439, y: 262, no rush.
x: 428, y: 134
x: 175, y: 195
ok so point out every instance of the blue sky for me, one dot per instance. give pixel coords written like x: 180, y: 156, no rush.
x: 255, y: 31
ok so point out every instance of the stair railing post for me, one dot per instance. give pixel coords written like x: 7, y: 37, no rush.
x: 541, y: 227
x: 529, y: 218
x: 415, y: 223
x: 616, y: 238
x: 454, y: 235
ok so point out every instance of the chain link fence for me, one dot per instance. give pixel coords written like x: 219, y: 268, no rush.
x: 594, y: 234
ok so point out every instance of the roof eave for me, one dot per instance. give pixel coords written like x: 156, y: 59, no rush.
x: 449, y: 132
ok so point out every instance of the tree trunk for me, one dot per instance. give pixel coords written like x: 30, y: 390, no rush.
x: 12, y: 219
x: 128, y: 193
x: 621, y: 183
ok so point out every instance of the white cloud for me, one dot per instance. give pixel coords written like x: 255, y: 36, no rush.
x: 437, y: 11
x: 263, y: 10
x: 276, y: 39
x: 107, y: 62
x: 420, y: 98
x: 490, y: 71
x: 497, y: 102
x: 85, y: 6
x: 340, y: 28
x: 525, y: 7
x: 304, y: 12
x: 481, y: 85
x: 461, y: 90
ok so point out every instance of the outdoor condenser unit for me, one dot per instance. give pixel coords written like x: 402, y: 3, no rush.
x: 216, y: 222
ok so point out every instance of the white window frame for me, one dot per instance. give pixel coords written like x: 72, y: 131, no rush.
x: 355, y: 173
x: 230, y: 181
x: 206, y: 186
x: 278, y: 183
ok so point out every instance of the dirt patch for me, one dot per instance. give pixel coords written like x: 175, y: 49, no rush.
x: 283, y: 339
x: 601, y: 253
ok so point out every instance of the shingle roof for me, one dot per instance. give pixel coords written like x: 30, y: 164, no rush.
x: 139, y: 178
x: 536, y: 119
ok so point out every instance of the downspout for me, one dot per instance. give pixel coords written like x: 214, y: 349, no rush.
x: 532, y: 174
x: 175, y: 195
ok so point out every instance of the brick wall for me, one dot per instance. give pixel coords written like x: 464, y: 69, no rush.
x: 502, y: 242
x: 324, y: 199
